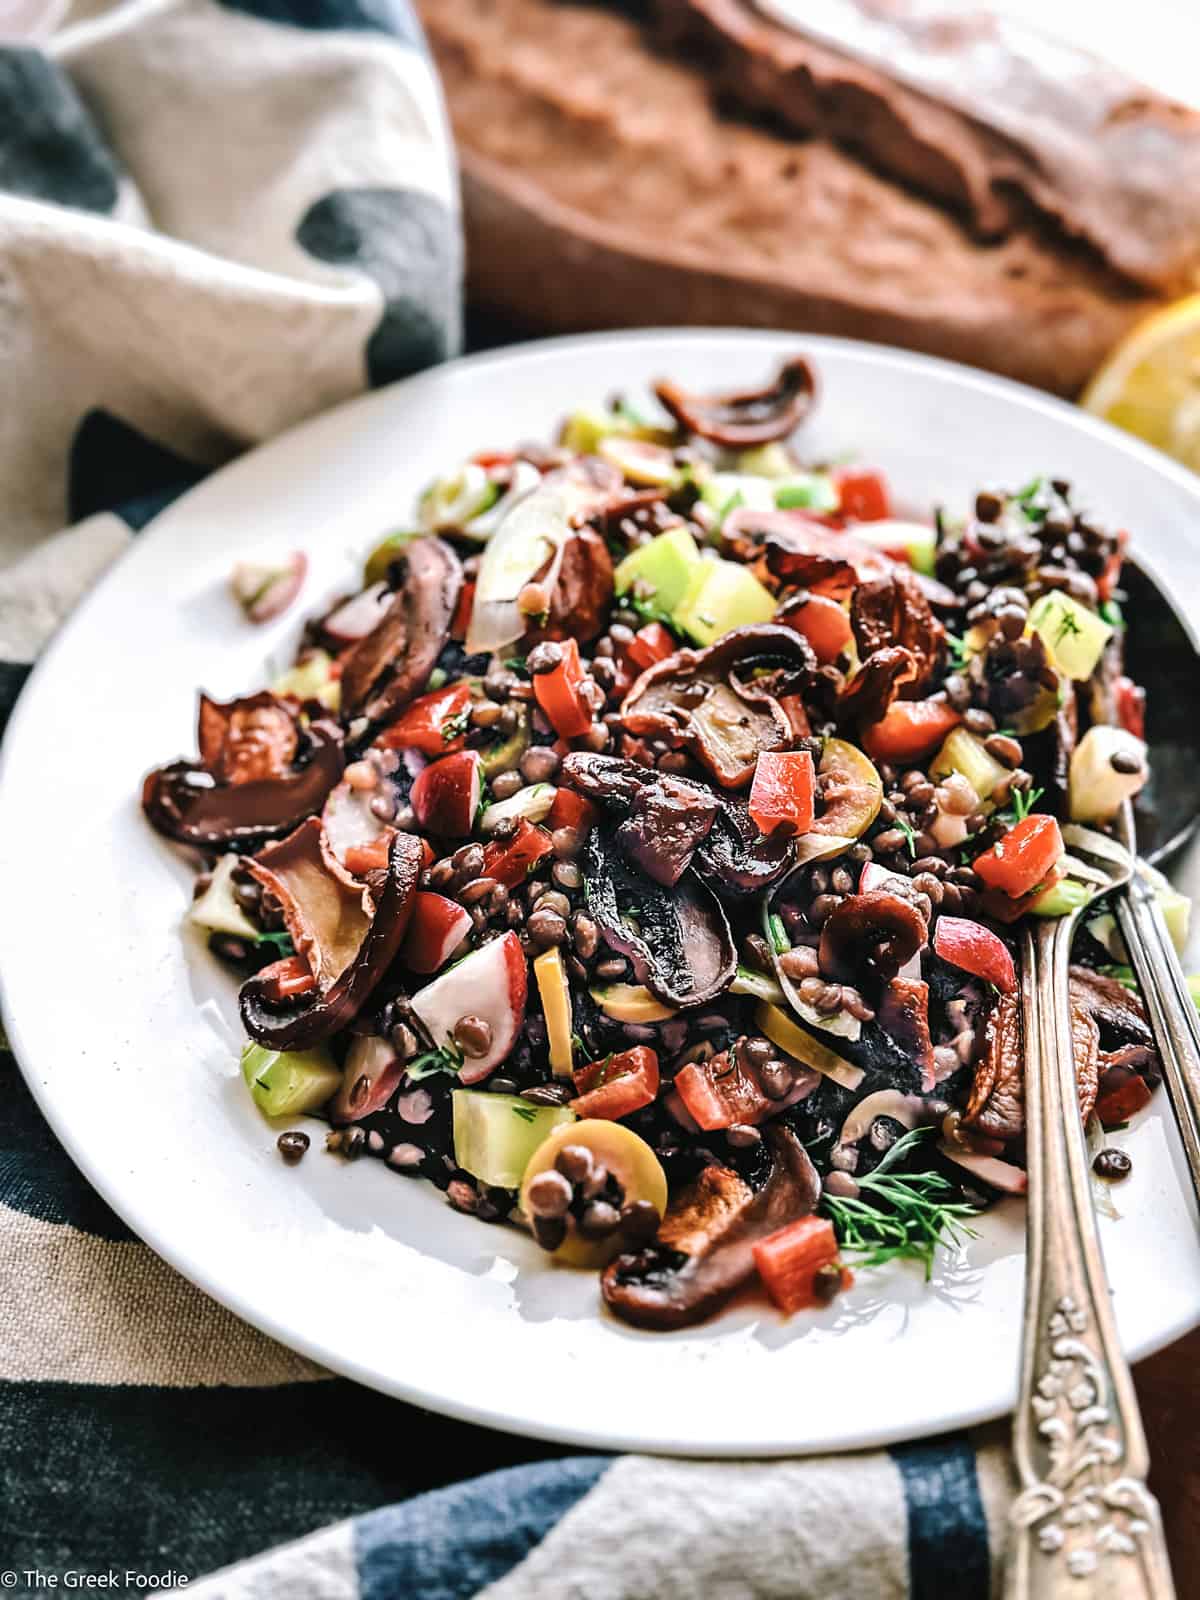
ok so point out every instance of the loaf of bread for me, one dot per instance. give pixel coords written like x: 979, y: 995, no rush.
x: 622, y: 172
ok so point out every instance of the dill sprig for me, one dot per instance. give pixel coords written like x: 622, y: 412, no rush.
x: 900, y: 1216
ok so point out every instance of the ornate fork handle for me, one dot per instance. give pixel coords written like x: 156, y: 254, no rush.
x: 1084, y: 1524
x: 1173, y: 1015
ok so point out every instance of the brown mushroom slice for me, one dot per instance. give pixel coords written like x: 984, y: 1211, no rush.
x: 327, y: 912
x: 315, y: 1017
x: 877, y: 933
x: 241, y: 741
x: 876, y: 684
x: 894, y: 611
x: 802, y: 552
x: 1118, y: 1011
x: 706, y: 700
x: 997, y: 1104
x: 904, y: 1017
x: 677, y: 939
x: 745, y: 418
x: 703, y: 1251
x: 385, y: 670
x: 583, y: 592
x: 184, y: 802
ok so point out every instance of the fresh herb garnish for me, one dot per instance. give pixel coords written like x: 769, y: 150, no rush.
x: 647, y: 608
x: 959, y: 654
x: 1122, y: 975
x: 1023, y: 802
x: 517, y: 664
x: 526, y: 1113
x: 447, y: 1059
x: 577, y: 1045
x: 1112, y: 613
x: 281, y: 940
x: 910, y: 835
x: 485, y: 800
x: 454, y: 727
x: 900, y: 1216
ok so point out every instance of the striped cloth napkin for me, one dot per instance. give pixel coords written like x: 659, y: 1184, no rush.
x: 218, y: 216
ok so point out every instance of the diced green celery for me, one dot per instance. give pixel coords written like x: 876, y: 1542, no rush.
x: 312, y: 680
x: 808, y: 491
x: 767, y: 461
x: 286, y: 1083
x: 388, y: 550
x: 496, y: 1134
x: 651, y: 466
x: 1074, y: 636
x: 583, y: 430
x: 452, y: 501
x: 962, y: 752
x: 1062, y: 898
x: 665, y: 564
x: 725, y: 489
x: 1176, y: 908
x: 217, y: 909
x: 721, y: 596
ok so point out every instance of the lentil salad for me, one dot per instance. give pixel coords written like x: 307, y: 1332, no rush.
x: 636, y: 853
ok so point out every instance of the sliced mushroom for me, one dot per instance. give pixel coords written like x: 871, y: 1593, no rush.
x: 904, y: 1016
x: 876, y: 933
x: 708, y: 700
x: 876, y: 684
x: 323, y: 1012
x: 580, y: 599
x: 893, y: 611
x: 737, y: 859
x: 749, y: 417
x: 1118, y: 1011
x: 666, y: 816
x: 704, y: 1248
x: 385, y: 670
x: 241, y: 741
x: 997, y: 1104
x: 803, y: 553
x: 188, y: 801
x: 677, y: 939
x: 327, y: 912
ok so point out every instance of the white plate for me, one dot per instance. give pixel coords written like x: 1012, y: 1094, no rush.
x: 134, y: 1060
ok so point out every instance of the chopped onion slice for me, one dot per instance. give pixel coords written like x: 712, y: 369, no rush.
x: 533, y: 803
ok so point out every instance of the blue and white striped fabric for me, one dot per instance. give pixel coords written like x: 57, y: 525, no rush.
x: 217, y: 216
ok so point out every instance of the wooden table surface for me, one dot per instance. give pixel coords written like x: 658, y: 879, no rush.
x: 1167, y: 1388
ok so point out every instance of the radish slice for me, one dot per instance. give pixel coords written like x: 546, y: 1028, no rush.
x: 491, y: 983
x: 355, y: 618
x: 372, y: 1072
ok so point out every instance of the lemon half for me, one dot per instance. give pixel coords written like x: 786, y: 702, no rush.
x: 1150, y: 384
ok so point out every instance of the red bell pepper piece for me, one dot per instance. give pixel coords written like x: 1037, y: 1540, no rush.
x: 975, y: 949
x: 1023, y: 858
x: 1119, y: 1104
x: 571, y: 810
x: 781, y: 796
x: 557, y: 692
x: 909, y: 729
x: 788, y: 1261
x: 511, y: 863
x: 287, y: 978
x: 650, y: 644
x: 429, y: 722
x: 718, y: 1093
x: 617, y: 1085
x: 863, y: 494
x: 822, y: 621
x: 461, y: 620
x: 1131, y: 706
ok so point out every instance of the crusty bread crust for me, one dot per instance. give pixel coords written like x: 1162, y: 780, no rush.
x: 603, y: 190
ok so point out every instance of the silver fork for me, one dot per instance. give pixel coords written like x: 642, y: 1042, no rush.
x: 1173, y: 1016
x: 1084, y: 1523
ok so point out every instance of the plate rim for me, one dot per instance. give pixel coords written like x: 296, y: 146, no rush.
x: 142, y: 1223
